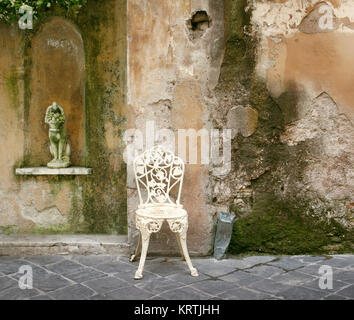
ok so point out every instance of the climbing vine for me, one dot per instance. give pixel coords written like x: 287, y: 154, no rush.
x: 9, y: 9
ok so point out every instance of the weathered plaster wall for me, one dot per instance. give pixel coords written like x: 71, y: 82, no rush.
x: 103, y: 26
x: 283, y: 89
x: 11, y: 124
x: 172, y: 72
x: 263, y: 69
x: 79, y: 62
x: 298, y: 57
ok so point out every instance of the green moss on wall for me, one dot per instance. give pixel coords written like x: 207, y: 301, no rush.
x: 8, y: 230
x: 11, y: 82
x: 277, y: 226
x: 58, y: 229
x: 275, y: 222
x: 105, y: 208
x: 263, y: 151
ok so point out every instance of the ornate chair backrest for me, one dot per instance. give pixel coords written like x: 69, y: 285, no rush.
x: 158, y: 172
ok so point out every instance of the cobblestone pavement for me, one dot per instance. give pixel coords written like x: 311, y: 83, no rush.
x: 111, y: 278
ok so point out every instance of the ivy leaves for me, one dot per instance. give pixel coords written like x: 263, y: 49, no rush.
x: 9, y: 9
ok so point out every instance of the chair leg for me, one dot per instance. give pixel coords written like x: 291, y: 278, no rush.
x: 145, y: 237
x: 183, y: 238
x: 137, y: 251
x: 180, y: 246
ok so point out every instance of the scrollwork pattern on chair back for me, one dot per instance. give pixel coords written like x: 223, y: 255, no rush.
x: 158, y: 171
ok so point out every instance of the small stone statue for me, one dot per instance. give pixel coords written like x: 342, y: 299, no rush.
x: 59, y: 142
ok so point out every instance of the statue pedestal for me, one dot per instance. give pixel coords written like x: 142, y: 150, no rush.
x: 44, y: 171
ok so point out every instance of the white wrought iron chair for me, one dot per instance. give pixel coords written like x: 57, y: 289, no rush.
x: 158, y: 172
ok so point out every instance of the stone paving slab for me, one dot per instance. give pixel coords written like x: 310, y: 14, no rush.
x: 241, y: 277
x: 288, y: 263
x: 266, y: 271
x: 65, y: 267
x: 293, y: 278
x: 129, y: 293
x: 257, y: 260
x: 44, y: 260
x: 302, y: 293
x: 336, y: 285
x: 244, y: 294
x: 109, y: 277
x: 115, y: 266
x: 93, y: 260
x: 75, y: 292
x: 90, y: 274
x: 339, y: 262
x: 311, y: 269
x: 159, y: 286
x: 186, y: 293
x: 11, y: 266
x: 347, y: 292
x: 309, y: 259
x: 344, y: 275
x: 7, y: 283
x: 269, y: 286
x: 106, y: 284
x: 213, y: 269
x: 214, y: 286
x: 18, y: 294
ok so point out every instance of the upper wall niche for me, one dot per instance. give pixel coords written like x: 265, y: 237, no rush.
x: 57, y: 74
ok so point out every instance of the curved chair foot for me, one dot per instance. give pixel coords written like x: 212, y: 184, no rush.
x: 132, y: 258
x: 194, y: 272
x: 138, y: 275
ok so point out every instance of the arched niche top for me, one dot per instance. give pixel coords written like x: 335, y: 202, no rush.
x: 57, y: 74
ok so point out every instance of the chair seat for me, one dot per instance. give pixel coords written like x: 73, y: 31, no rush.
x: 161, y: 212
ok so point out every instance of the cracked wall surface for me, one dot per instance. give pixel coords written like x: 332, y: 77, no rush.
x: 265, y: 70
x: 173, y: 70
x: 79, y: 61
x: 304, y: 52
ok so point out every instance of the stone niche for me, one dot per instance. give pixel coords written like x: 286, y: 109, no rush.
x: 57, y: 74
x: 80, y: 63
